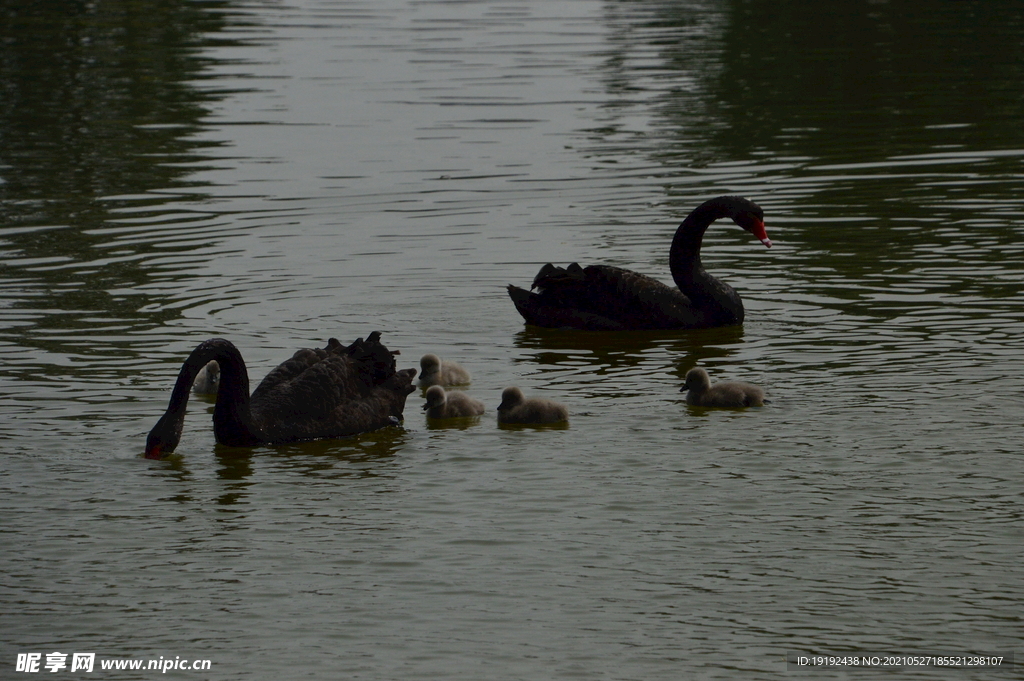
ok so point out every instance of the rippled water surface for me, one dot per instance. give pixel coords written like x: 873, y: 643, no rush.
x: 278, y: 173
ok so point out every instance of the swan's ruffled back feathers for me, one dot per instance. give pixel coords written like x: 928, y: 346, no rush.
x: 368, y: 362
x: 374, y: 362
x: 331, y: 392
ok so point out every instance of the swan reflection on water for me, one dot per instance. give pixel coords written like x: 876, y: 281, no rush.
x: 602, y: 352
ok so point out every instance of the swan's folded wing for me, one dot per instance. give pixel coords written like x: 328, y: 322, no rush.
x: 290, y: 370
x: 312, y: 392
x: 633, y: 299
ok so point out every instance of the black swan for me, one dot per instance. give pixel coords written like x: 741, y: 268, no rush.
x: 606, y: 298
x: 515, y: 408
x: 725, y: 394
x: 333, y: 392
x: 435, y: 371
x: 442, y: 405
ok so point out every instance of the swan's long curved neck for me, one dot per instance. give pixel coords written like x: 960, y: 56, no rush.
x: 713, y: 296
x: 684, y: 256
x: 232, y: 419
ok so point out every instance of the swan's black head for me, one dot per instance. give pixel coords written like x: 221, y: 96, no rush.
x: 164, y: 437
x: 749, y: 216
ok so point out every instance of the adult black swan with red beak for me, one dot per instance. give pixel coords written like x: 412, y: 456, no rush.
x: 606, y: 298
x: 318, y: 393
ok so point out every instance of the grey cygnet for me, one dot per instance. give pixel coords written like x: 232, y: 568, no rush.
x: 208, y: 379
x: 726, y: 394
x: 434, y: 371
x: 441, y: 405
x: 515, y: 408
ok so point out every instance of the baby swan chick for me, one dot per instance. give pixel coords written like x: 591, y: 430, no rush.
x: 208, y: 379
x: 725, y: 394
x: 515, y: 408
x: 434, y: 371
x: 441, y: 405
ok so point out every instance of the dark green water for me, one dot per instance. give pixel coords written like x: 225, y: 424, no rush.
x: 279, y: 173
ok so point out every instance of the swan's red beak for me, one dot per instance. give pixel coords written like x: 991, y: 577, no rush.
x: 153, y: 452
x: 757, y: 229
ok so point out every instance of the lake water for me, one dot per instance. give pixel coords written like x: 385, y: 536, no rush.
x: 278, y: 173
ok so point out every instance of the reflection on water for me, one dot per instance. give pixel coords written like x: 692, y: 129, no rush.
x: 872, y: 81
x: 362, y: 455
x: 98, y: 121
x: 99, y: 125
x: 461, y: 423
x: 562, y: 425
x: 281, y: 173
x: 621, y: 364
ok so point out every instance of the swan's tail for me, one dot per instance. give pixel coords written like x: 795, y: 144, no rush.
x: 523, y: 300
x: 536, y: 312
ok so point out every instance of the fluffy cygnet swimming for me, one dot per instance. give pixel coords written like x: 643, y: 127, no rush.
x: 434, y: 371
x: 725, y: 394
x: 441, y: 405
x: 208, y: 379
x: 515, y: 408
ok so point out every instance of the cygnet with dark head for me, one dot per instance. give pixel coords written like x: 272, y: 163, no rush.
x: 442, y: 405
x: 435, y: 371
x: 726, y: 394
x: 208, y: 379
x: 515, y: 408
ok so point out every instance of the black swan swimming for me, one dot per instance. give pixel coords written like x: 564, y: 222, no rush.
x: 606, y: 298
x: 725, y: 394
x: 442, y: 405
x: 516, y: 408
x: 318, y: 393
